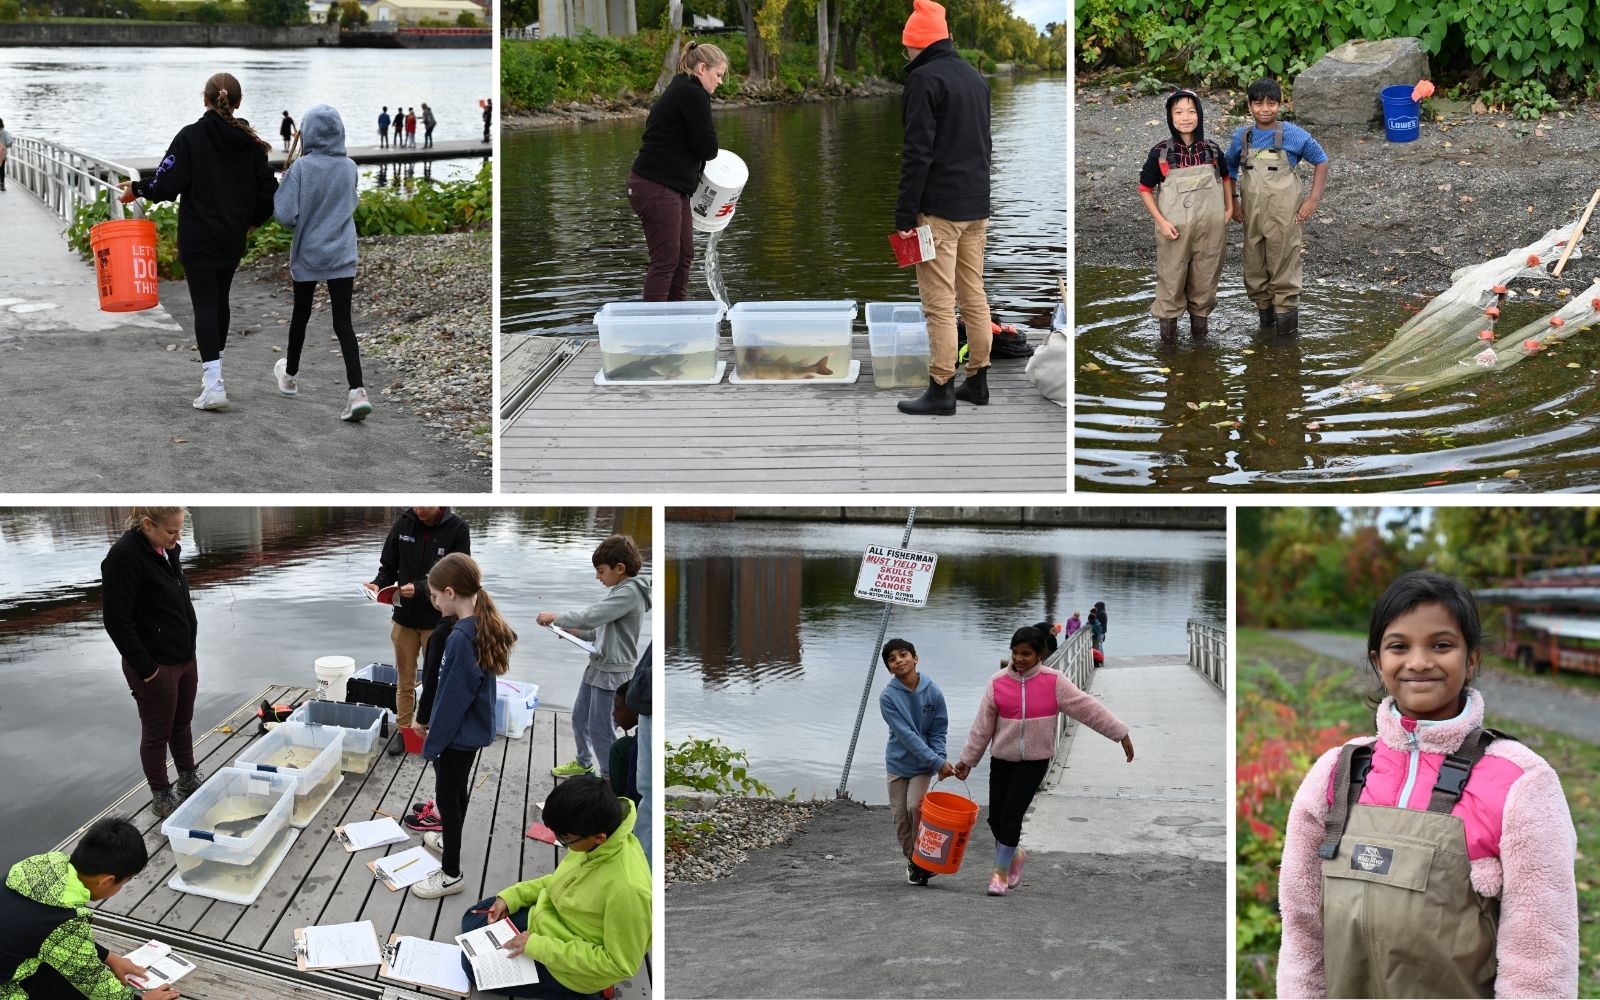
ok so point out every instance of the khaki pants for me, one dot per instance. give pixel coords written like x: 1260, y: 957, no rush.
x: 905, y: 802
x: 408, y: 642
x: 955, y: 275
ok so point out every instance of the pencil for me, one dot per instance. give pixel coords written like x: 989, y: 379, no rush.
x: 408, y: 864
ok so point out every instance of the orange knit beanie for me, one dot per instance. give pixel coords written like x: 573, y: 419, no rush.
x: 925, y: 25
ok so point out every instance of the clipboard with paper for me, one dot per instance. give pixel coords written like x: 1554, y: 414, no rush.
x: 420, y: 962
x: 583, y: 644
x: 492, y: 967
x: 407, y: 868
x: 337, y: 946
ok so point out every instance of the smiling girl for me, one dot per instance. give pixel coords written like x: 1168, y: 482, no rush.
x: 1435, y: 859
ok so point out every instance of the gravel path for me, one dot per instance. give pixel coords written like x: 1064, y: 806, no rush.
x: 1513, y: 696
x: 728, y: 831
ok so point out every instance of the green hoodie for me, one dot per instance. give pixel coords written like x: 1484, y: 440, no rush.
x: 590, y: 924
x: 50, y: 879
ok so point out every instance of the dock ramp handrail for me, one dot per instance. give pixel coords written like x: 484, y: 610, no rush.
x: 1208, y: 653
x: 65, y: 178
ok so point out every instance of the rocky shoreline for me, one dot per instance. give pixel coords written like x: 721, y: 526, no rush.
x: 721, y: 831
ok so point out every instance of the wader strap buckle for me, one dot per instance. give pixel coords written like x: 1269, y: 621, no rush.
x: 1349, y: 777
x: 1456, y: 769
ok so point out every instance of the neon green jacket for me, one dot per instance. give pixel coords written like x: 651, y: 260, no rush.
x: 51, y: 880
x: 590, y: 924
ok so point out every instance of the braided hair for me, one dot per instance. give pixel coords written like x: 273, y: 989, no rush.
x: 223, y: 94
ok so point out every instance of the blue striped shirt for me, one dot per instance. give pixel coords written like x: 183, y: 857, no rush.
x: 1297, y: 145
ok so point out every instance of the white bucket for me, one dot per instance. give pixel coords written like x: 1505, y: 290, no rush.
x: 721, y: 183
x: 332, y: 672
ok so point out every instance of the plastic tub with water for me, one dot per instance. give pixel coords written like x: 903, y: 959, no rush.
x: 897, y: 333
x: 514, y: 705
x: 659, y: 341
x: 309, y: 754
x: 231, y: 835
x: 792, y: 340
x: 364, y: 727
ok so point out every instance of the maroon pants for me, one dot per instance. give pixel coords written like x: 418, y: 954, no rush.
x: 669, y: 233
x: 166, y: 707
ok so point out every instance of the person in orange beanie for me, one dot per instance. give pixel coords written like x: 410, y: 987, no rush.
x: 944, y: 184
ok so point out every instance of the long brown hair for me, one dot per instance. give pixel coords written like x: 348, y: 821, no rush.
x: 223, y: 94
x: 495, y: 638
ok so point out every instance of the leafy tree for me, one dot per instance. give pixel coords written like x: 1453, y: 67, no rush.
x: 210, y: 13
x: 277, y: 13
x: 466, y: 19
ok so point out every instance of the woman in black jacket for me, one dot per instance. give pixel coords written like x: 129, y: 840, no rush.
x: 151, y: 621
x: 679, y: 138
x: 219, y: 167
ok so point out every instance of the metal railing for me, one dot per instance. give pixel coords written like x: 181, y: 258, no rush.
x: 1208, y: 652
x: 64, y: 178
x: 1075, y: 658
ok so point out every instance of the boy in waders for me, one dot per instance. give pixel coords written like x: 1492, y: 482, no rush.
x: 1186, y: 188
x: 1263, y: 156
x: 1435, y: 859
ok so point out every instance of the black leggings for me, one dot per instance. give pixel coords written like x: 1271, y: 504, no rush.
x: 1011, y: 787
x: 208, y: 290
x: 452, y: 773
x: 339, y: 292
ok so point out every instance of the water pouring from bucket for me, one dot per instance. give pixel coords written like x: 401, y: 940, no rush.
x: 722, y: 180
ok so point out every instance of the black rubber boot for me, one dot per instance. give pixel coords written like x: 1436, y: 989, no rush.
x: 1268, y: 318
x: 189, y: 782
x: 1169, y: 330
x: 975, y: 389
x: 1199, y: 326
x: 163, y: 803
x: 1289, y: 322
x: 938, y: 400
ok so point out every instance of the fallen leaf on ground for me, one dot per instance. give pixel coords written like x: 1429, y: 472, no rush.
x: 1380, y: 397
x: 1091, y: 367
x: 1511, y: 473
x: 180, y: 440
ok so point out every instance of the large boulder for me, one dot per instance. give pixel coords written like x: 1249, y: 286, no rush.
x: 1342, y: 88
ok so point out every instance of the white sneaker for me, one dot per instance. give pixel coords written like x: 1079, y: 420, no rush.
x: 211, y: 399
x: 438, y: 884
x: 286, y: 382
x: 356, y: 407
x: 433, y: 840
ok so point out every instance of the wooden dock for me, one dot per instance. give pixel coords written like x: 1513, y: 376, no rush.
x: 570, y: 435
x: 247, y: 950
x: 454, y: 149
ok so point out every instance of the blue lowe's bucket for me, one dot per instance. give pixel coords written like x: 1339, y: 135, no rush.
x: 1401, y: 115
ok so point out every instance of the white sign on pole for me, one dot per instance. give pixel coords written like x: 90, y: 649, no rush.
x: 896, y: 576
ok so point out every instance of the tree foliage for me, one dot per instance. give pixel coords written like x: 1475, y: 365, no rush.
x: 277, y: 13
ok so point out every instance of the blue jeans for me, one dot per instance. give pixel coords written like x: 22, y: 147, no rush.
x: 641, y: 825
x: 547, y: 988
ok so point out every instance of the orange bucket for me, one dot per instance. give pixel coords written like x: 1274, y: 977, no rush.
x: 125, y: 264
x: 947, y: 822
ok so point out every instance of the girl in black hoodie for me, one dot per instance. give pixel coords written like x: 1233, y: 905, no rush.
x: 218, y: 165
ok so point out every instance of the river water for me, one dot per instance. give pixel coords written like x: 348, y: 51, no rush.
x: 813, y: 221
x: 1244, y: 411
x: 768, y: 648
x: 125, y: 103
x: 273, y: 589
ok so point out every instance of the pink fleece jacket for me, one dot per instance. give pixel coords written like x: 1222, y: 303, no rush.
x: 1018, y: 715
x: 1520, y: 841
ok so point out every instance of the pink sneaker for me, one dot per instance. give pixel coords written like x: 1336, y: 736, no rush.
x: 1014, y: 876
x: 997, y: 884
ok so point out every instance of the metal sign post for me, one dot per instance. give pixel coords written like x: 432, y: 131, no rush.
x: 872, y: 668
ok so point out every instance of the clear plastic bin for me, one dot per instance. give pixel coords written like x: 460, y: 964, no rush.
x: 897, y: 334
x: 229, y: 836
x: 363, y: 725
x: 309, y: 754
x: 514, y: 705
x: 792, y: 340
x: 659, y: 341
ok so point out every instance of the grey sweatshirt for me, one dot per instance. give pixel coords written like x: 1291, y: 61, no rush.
x: 612, y: 624
x: 317, y: 199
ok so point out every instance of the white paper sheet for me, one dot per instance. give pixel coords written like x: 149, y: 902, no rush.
x: 492, y: 966
x: 429, y: 963
x: 162, y: 965
x: 374, y: 833
x: 408, y: 867
x: 341, y: 946
x: 582, y: 644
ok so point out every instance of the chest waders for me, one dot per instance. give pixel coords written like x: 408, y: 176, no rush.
x: 1189, y: 267
x: 1400, y: 917
x: 1269, y: 192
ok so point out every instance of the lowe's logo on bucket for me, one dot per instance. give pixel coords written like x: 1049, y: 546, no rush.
x: 1407, y: 123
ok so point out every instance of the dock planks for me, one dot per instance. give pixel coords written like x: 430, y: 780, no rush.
x: 799, y: 438
x: 320, y: 883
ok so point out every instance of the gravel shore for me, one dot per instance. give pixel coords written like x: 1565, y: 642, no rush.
x: 720, y: 838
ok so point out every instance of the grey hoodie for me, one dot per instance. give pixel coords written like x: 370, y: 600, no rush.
x: 317, y: 199
x: 612, y: 624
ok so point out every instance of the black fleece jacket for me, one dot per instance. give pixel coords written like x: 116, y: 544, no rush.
x: 679, y: 136
x: 944, y: 157
x: 226, y: 186
x: 145, y: 600
x: 410, y: 551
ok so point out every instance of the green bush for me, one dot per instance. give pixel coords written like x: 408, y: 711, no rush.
x: 1528, y: 100
x: 711, y: 766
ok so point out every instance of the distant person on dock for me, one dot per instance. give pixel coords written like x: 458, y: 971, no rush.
x: 919, y: 723
x: 420, y: 538
x: 477, y: 651
x: 586, y: 924
x: 612, y: 625
x: 218, y: 168
x: 679, y: 138
x: 286, y: 129
x: 47, y: 946
x: 147, y: 613
x: 383, y: 128
x: 1019, y: 732
x: 5, y: 152
x: 488, y: 117
x: 944, y: 184
x: 1187, y: 190
x: 317, y: 200
x: 411, y: 128
x: 428, y: 122
x: 399, y: 125
x: 1074, y: 623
